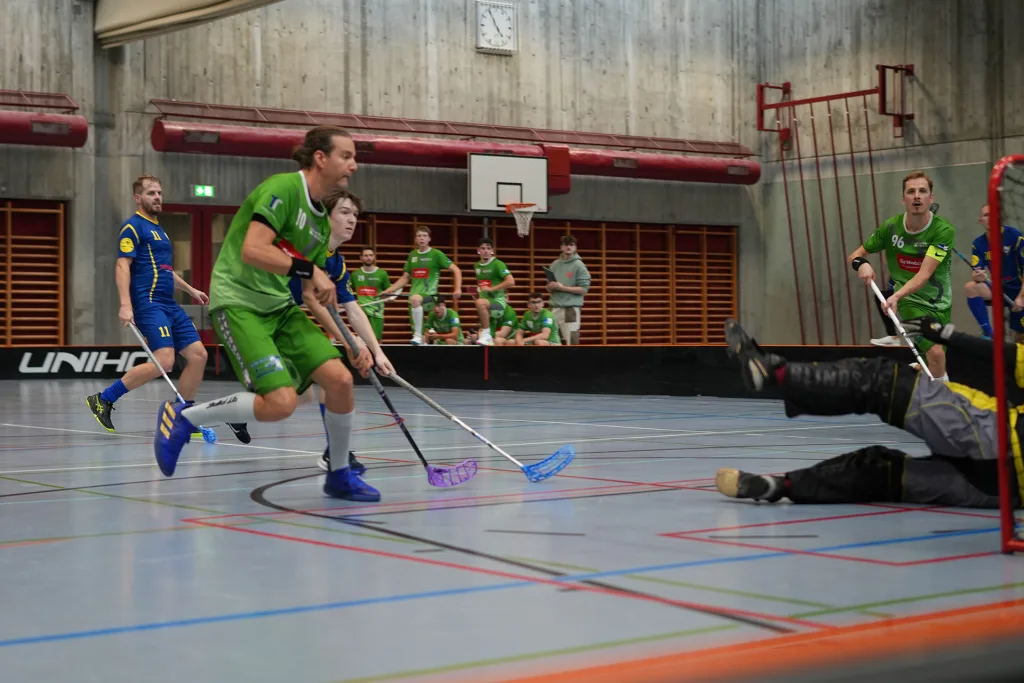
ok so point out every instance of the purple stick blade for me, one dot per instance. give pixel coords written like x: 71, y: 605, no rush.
x: 446, y: 476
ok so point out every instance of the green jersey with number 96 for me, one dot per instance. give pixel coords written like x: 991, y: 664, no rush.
x: 905, y: 252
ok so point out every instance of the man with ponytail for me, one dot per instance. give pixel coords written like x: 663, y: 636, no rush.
x: 277, y: 352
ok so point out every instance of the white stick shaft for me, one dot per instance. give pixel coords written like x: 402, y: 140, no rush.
x: 899, y: 328
x: 153, y: 360
x: 430, y: 402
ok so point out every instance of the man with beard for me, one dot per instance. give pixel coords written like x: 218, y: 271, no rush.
x: 368, y: 282
x: 277, y: 352
x: 917, y: 246
x: 146, y: 282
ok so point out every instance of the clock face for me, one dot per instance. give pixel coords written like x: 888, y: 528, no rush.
x: 496, y: 27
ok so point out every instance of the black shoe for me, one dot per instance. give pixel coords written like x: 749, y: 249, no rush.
x: 758, y: 368
x: 240, y: 430
x: 738, y: 484
x: 101, y: 411
x: 324, y: 462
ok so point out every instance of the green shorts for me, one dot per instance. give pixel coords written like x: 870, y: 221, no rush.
x: 908, y: 310
x: 378, y: 327
x: 273, y: 350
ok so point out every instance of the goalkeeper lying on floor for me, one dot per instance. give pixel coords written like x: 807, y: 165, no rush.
x: 956, y: 422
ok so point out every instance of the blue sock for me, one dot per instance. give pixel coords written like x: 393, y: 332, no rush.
x: 114, y: 392
x: 980, y: 312
x: 323, y: 416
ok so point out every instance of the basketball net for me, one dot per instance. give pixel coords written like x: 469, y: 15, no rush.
x: 523, y: 214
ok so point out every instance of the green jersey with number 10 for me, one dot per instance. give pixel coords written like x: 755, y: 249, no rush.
x: 906, y: 251
x: 282, y: 203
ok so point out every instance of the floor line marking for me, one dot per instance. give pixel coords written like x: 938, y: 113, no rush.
x: 558, y: 582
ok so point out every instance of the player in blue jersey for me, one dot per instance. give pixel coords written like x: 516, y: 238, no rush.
x: 146, y: 282
x: 343, y: 209
x: 978, y: 293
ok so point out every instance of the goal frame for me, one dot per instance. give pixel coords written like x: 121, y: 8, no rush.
x: 1010, y: 542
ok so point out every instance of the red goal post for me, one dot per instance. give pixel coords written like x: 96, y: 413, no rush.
x: 1006, y: 207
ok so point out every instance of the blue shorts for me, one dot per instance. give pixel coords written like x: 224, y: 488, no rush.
x: 165, y: 325
x: 1016, y: 319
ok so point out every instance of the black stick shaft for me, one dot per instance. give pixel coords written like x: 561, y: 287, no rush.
x: 350, y: 340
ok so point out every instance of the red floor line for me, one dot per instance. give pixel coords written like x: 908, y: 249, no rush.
x: 389, y: 506
x: 937, y: 509
x: 791, y: 551
x: 518, y: 577
x: 951, y: 558
x: 790, y: 521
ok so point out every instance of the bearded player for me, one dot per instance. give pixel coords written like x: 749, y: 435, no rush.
x: 917, y: 246
x: 277, y: 352
x: 368, y: 282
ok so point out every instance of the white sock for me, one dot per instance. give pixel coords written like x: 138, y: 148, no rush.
x: 339, y: 428
x: 240, y: 407
x: 417, y: 321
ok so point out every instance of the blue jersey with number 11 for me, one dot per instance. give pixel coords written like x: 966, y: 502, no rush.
x: 145, y: 242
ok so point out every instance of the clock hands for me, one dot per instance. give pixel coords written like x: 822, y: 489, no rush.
x: 490, y: 13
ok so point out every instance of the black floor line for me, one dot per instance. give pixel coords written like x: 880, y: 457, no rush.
x: 258, y: 496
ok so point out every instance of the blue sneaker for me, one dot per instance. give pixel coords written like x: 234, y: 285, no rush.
x: 172, y: 433
x: 346, y: 484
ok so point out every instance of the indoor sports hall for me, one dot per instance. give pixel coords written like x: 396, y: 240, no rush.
x: 664, y: 339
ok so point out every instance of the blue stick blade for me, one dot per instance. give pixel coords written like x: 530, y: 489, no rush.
x: 209, y: 436
x: 552, y: 465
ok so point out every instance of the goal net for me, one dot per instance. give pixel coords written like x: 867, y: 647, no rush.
x: 1006, y: 207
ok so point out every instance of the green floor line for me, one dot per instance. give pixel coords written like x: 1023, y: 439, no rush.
x: 540, y: 655
x: 907, y: 601
x: 696, y: 586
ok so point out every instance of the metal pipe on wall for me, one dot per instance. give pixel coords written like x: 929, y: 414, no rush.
x: 278, y: 143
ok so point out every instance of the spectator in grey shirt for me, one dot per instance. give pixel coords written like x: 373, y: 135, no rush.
x: 571, y: 282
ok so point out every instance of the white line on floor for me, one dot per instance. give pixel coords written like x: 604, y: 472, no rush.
x: 369, y: 453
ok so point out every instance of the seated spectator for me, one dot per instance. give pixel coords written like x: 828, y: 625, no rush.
x: 503, y: 326
x: 443, y: 324
x: 537, y: 326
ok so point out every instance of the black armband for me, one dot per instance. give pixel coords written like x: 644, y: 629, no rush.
x: 301, y: 268
x: 858, y: 262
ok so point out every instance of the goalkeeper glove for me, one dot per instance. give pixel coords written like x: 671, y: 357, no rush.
x: 929, y: 328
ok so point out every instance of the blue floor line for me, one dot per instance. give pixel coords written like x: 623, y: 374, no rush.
x: 762, y: 556
x: 242, y: 616
x: 261, y: 614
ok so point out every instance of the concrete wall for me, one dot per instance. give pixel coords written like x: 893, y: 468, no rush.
x: 969, y: 111
x: 678, y: 68
x: 660, y: 67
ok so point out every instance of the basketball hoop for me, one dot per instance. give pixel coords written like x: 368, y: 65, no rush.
x: 523, y: 214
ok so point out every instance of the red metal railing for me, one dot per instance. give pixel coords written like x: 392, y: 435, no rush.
x: 789, y: 137
x: 37, y: 100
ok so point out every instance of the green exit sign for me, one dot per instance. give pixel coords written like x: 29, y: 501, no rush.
x: 202, y: 190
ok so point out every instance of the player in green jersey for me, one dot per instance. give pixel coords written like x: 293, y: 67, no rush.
x: 277, y: 352
x: 504, y: 324
x: 443, y: 324
x: 423, y: 268
x: 368, y: 282
x: 537, y: 326
x: 493, y: 279
x: 917, y: 246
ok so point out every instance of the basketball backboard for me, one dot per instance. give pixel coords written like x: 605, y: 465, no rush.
x: 498, y: 179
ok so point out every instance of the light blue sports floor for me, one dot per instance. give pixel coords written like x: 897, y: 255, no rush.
x: 238, y: 568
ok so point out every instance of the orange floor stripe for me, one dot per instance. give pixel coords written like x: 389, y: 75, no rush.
x: 905, y: 635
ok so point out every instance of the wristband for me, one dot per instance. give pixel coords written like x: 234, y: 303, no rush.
x: 301, y: 268
x: 858, y: 262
